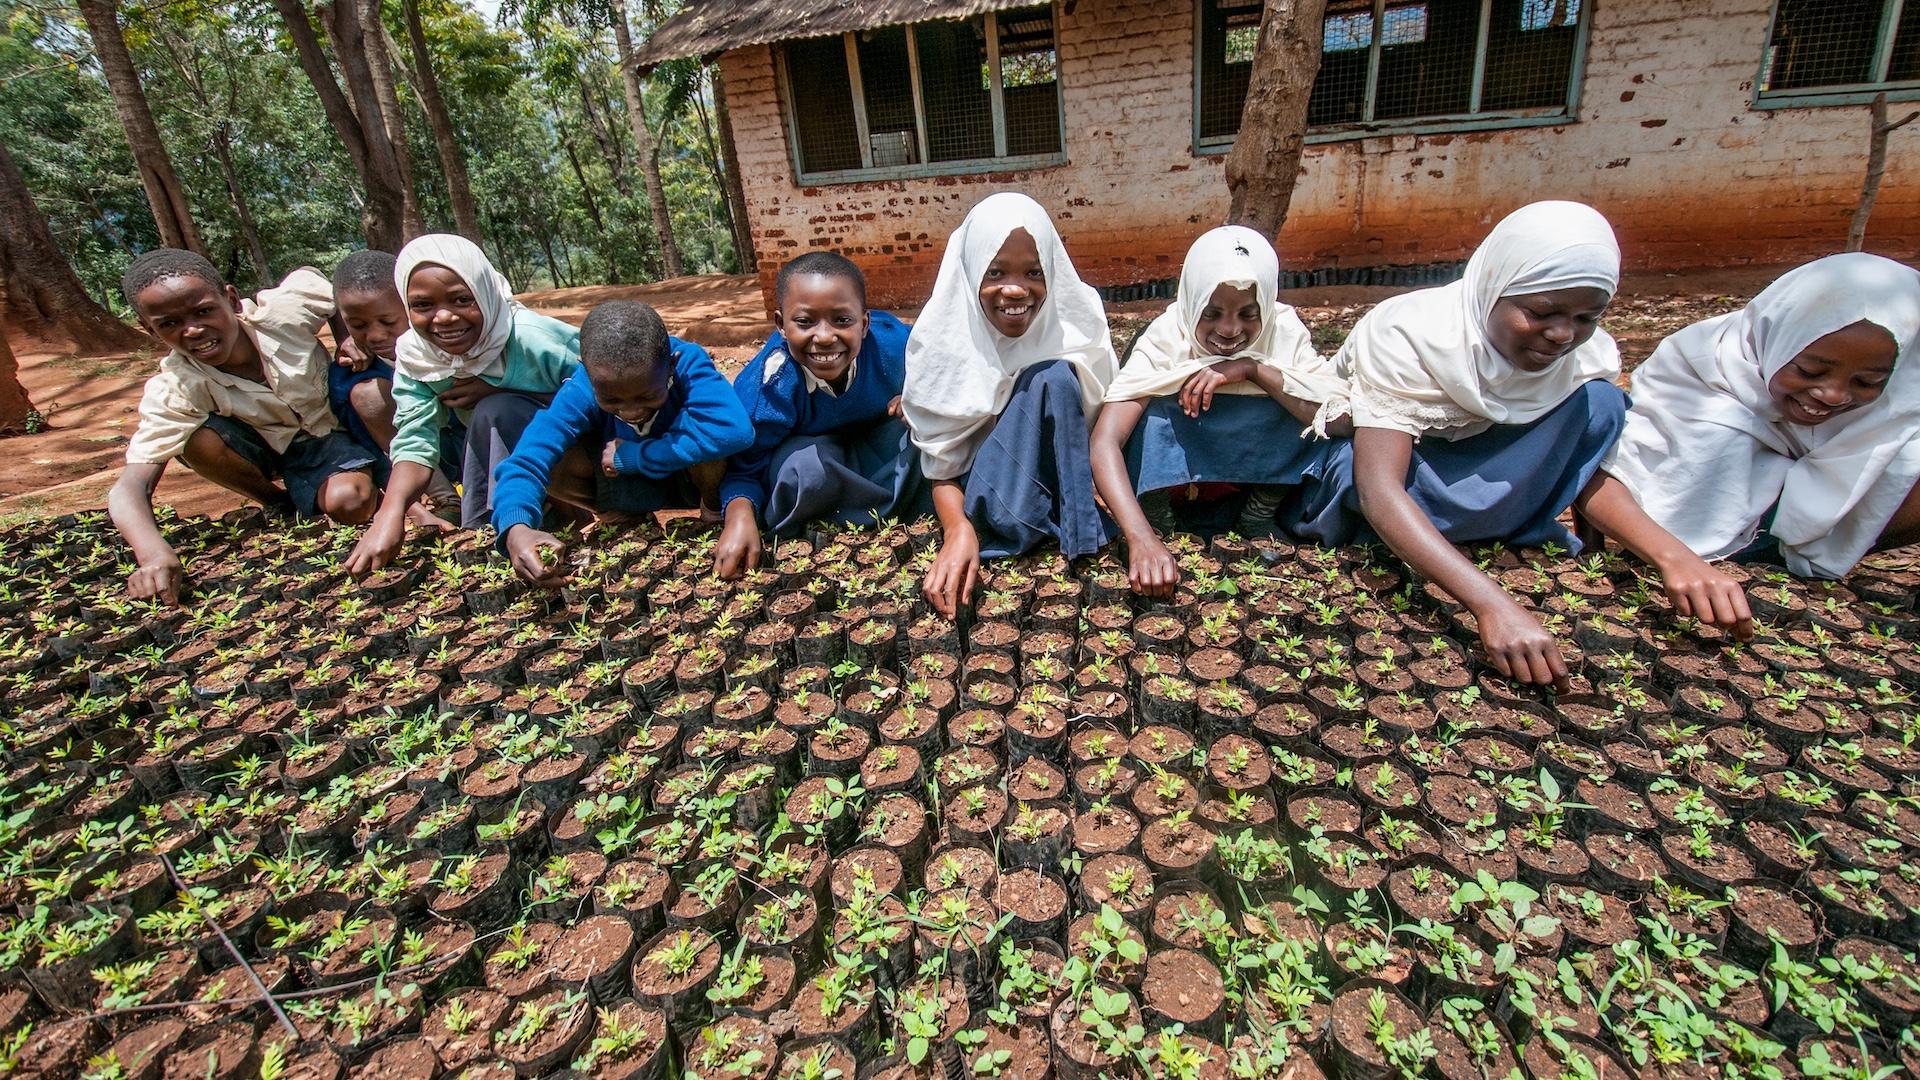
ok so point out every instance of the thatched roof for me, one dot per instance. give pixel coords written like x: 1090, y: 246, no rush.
x: 706, y: 27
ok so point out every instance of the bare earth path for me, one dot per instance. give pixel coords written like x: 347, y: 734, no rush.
x: 91, y: 402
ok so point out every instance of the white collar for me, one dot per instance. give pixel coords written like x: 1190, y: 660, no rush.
x: 812, y: 382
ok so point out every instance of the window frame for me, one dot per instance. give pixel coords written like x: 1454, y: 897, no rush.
x: 1472, y: 120
x: 1801, y: 97
x: 1001, y: 162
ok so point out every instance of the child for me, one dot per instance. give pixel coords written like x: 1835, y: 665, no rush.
x: 241, y: 398
x: 821, y: 395
x: 474, y: 352
x: 1218, y: 389
x: 1795, y: 419
x: 646, y: 423
x: 1005, y: 369
x: 1506, y: 382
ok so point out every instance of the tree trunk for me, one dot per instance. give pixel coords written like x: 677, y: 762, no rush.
x: 1877, y: 131
x: 168, y: 200
x: 453, y: 160
x: 373, y: 46
x: 736, y: 190
x: 39, y: 294
x: 382, y: 211
x: 643, y: 140
x: 15, y: 407
x: 1265, y: 160
x: 249, y: 232
x: 351, y: 50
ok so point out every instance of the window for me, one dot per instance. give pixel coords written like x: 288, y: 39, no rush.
x: 1840, y: 52
x: 936, y: 97
x: 1401, y: 63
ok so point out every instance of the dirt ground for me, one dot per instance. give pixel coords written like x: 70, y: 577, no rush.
x: 91, y: 402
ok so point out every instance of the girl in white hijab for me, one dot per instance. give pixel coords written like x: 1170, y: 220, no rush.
x: 1795, y: 418
x: 1505, y: 381
x: 475, y: 354
x: 1219, y: 388
x: 1006, y: 367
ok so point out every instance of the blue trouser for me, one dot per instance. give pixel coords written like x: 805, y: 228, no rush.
x: 1032, y: 479
x: 854, y: 477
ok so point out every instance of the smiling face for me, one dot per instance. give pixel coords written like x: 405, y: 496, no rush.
x: 197, y: 318
x: 442, y: 308
x: 633, y: 396
x: 1014, y: 286
x: 376, y: 319
x: 824, y: 322
x: 1535, y: 330
x: 1838, y: 373
x: 1229, y: 322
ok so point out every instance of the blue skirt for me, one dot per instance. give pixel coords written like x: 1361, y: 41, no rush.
x: 1242, y: 439
x: 848, y: 477
x: 1508, y: 483
x: 1032, y: 479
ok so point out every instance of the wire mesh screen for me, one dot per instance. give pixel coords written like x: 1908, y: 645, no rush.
x: 823, y: 104
x: 1030, y: 81
x: 1426, y: 58
x: 1822, y: 43
x: 1229, y: 31
x: 1530, y: 47
x: 955, y: 90
x: 1346, y: 42
x: 1906, y: 45
x: 886, y: 77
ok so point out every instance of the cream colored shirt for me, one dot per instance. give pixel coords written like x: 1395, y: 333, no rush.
x: 283, y: 322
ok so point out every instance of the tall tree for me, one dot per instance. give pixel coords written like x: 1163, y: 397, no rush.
x: 1265, y: 159
x: 453, y: 160
x: 15, y: 406
x: 736, y: 190
x: 168, y: 199
x: 643, y: 139
x: 379, y: 59
x: 189, y: 59
x: 39, y: 294
x: 383, y: 213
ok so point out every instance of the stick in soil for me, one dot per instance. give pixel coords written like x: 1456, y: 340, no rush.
x: 265, y: 995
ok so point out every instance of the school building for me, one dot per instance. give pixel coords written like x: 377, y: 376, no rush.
x: 1711, y: 132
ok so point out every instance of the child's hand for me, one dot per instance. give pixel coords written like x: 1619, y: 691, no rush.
x: 608, y: 458
x: 950, y: 581
x: 893, y: 407
x: 161, y: 578
x: 1704, y: 593
x: 1196, y: 396
x: 1151, y: 568
x: 536, y: 556
x: 1520, y: 647
x: 350, y: 357
x: 378, y: 547
x: 739, y: 547
x: 466, y: 392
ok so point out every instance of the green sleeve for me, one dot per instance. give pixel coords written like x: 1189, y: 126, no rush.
x: 418, y: 417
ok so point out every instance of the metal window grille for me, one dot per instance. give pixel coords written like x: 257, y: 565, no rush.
x: 937, y: 93
x: 1823, y: 44
x: 1410, y: 60
x: 1228, y: 34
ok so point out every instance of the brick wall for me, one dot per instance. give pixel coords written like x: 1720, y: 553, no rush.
x: 1667, y: 146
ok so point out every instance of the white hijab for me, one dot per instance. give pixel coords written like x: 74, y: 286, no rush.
x: 1421, y: 362
x: 418, y: 357
x: 1169, y: 352
x: 1706, y: 452
x: 961, y: 371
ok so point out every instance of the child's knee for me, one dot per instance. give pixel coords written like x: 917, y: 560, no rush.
x: 1057, y: 375
x: 203, y: 447
x: 372, y: 399
x: 347, y: 498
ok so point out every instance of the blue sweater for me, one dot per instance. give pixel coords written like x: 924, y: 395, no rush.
x: 701, y: 421
x: 781, y: 406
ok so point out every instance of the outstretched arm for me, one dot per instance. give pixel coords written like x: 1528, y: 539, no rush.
x: 956, y: 570
x: 1515, y: 641
x: 1151, y: 570
x: 157, y: 571
x: 1695, y: 587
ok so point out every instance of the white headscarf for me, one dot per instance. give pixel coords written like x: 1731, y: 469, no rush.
x: 1706, y: 452
x: 417, y: 356
x: 961, y: 371
x: 1169, y: 352
x: 1421, y: 362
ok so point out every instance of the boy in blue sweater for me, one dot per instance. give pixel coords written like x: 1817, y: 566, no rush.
x: 645, y: 424
x: 824, y: 398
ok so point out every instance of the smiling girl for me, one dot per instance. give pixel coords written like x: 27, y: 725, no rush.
x: 1795, y: 420
x: 1005, y: 368
x: 1481, y: 409
x: 1219, y: 388
x: 473, y: 350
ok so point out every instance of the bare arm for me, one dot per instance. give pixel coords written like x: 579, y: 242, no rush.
x: 389, y: 527
x: 1151, y: 570
x: 950, y: 581
x: 1515, y: 641
x: 1695, y: 587
x: 130, y: 504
